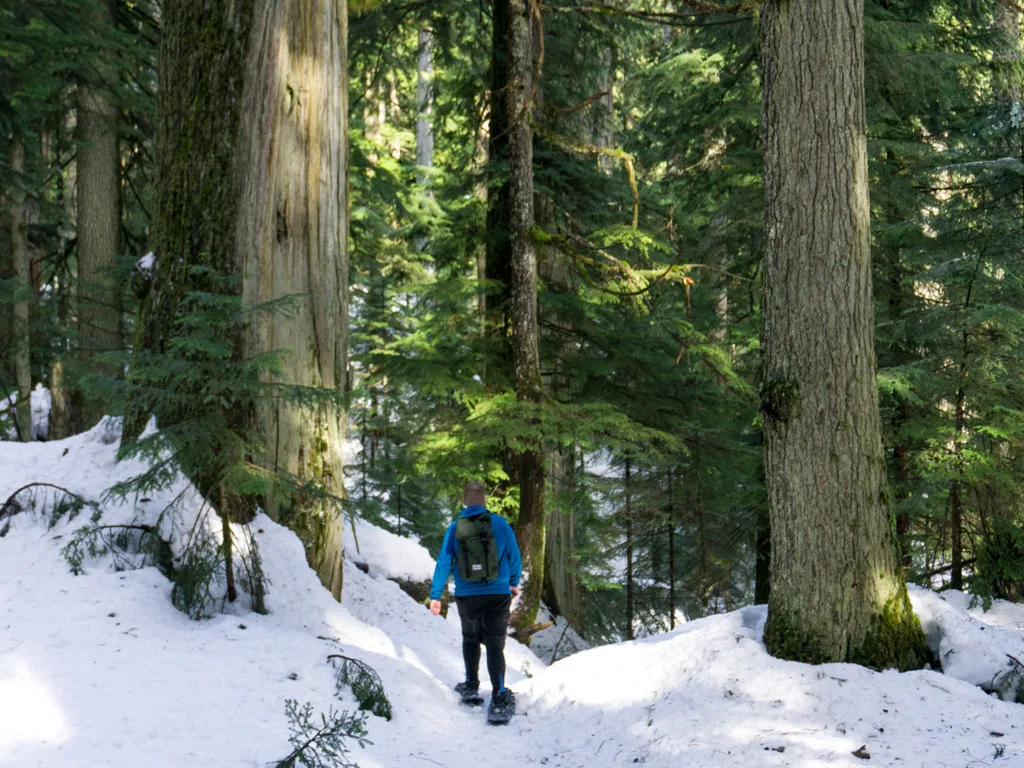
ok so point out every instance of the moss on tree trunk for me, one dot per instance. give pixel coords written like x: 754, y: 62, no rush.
x: 252, y: 153
x: 837, y: 591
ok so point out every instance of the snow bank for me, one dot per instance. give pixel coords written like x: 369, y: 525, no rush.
x: 968, y: 648
x: 101, y: 670
x: 40, y: 402
x: 708, y: 694
x: 557, y: 641
x: 389, y: 556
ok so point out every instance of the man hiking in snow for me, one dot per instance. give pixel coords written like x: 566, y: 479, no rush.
x: 488, y: 568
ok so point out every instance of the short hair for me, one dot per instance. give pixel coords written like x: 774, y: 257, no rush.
x: 474, y: 494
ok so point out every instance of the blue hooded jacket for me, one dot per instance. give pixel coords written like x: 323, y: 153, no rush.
x: 510, y: 565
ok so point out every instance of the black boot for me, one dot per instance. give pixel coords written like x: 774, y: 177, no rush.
x: 502, y: 708
x: 470, y: 692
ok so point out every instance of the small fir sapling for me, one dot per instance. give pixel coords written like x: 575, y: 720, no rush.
x: 322, y: 745
x: 202, y: 392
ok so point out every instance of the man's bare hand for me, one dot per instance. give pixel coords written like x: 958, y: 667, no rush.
x: 515, y: 591
x: 435, y: 607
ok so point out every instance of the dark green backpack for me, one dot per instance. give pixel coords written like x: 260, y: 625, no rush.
x: 476, y: 552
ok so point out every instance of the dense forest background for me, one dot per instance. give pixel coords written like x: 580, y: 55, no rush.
x: 626, y: 443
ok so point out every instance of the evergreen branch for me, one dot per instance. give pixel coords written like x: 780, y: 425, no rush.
x: 574, y: 145
x: 582, y: 104
x: 667, y: 18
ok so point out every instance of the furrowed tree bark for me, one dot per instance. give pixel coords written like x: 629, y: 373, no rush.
x: 530, y: 527
x: 22, y: 271
x: 837, y: 592
x: 252, y: 160
x: 98, y: 227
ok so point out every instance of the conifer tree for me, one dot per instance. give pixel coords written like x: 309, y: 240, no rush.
x: 269, y: 206
x: 837, y: 591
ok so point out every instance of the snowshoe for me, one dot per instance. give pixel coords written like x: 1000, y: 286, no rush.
x: 502, y: 708
x: 470, y: 693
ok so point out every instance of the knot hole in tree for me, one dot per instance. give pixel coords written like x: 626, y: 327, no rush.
x: 780, y: 399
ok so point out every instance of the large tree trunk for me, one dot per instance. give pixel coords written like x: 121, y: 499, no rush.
x: 98, y: 225
x: 837, y: 591
x: 252, y: 154
x: 530, y: 527
x: 22, y: 262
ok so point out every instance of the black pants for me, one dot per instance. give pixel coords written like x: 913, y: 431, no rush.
x: 484, y: 620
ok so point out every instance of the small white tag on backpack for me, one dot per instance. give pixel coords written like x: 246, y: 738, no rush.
x: 477, y: 567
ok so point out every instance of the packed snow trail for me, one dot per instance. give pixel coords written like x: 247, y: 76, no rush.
x: 101, y: 670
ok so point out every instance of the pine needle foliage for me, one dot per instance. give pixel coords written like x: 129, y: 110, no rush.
x: 322, y: 745
x: 203, y: 388
x: 364, y: 682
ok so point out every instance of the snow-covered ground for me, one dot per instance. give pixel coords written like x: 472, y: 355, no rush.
x: 101, y: 670
x: 40, y: 404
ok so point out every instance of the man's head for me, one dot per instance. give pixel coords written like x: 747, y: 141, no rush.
x: 474, y: 494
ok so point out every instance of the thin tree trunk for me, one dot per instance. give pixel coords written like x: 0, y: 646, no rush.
x: 252, y: 152
x: 60, y: 395
x: 98, y: 225
x: 424, y: 105
x: 956, y: 502
x: 498, y: 262
x: 229, y: 563
x: 629, y: 554
x: 837, y: 590
x: 671, y: 555
x: 394, y: 115
x: 22, y: 263
x: 424, y: 116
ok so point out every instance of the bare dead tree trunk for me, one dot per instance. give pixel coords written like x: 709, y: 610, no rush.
x: 253, y: 162
x: 424, y: 115
x: 98, y: 224
x: 22, y: 271
x: 424, y: 104
x: 837, y: 591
